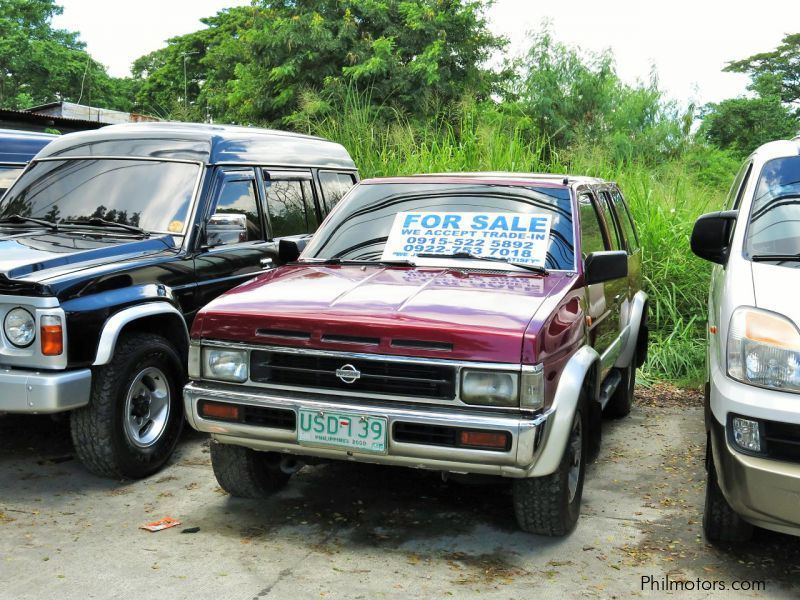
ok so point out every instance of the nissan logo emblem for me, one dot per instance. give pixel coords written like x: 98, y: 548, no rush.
x: 348, y: 373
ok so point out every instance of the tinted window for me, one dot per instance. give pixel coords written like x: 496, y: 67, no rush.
x: 774, y: 226
x: 625, y: 220
x: 291, y: 207
x: 617, y: 239
x: 153, y: 195
x: 7, y: 177
x: 358, y: 230
x: 737, y: 189
x: 334, y: 186
x: 235, y: 218
x: 592, y: 234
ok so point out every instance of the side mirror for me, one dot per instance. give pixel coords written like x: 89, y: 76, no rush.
x: 605, y: 266
x: 711, y: 236
x: 289, y: 249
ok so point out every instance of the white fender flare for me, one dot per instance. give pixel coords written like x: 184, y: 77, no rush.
x: 115, y: 324
x: 634, y: 324
x: 562, y: 412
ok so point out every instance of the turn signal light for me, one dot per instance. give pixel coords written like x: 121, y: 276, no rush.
x: 52, y: 335
x: 496, y: 440
x: 219, y: 411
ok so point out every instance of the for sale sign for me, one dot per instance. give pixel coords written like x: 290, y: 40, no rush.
x: 517, y: 237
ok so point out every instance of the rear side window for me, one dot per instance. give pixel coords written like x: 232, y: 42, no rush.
x: 774, y: 226
x: 617, y: 238
x: 625, y: 221
x: 290, y: 204
x: 334, y: 186
x: 593, y: 237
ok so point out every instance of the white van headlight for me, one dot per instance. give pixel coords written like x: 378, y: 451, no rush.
x: 225, y: 365
x: 764, y: 350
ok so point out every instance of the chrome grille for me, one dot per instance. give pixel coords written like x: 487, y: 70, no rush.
x: 390, y: 377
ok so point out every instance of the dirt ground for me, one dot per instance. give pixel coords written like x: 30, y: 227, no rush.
x: 354, y: 531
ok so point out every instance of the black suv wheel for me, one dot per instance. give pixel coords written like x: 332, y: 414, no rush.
x: 135, y: 416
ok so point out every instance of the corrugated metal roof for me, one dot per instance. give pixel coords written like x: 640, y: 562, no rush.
x: 22, y: 115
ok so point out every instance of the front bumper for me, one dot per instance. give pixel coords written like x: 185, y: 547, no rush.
x: 764, y: 491
x: 43, y: 392
x: 517, y: 461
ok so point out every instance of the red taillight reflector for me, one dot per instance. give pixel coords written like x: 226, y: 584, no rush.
x: 497, y: 440
x: 51, y: 335
x: 220, y: 410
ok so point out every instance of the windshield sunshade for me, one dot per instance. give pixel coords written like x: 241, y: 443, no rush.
x: 473, y: 219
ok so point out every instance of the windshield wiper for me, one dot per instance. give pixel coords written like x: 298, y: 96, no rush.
x: 98, y: 222
x: 775, y: 257
x: 470, y: 256
x: 19, y: 219
x: 345, y: 261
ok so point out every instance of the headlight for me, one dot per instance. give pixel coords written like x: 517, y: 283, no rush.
x: 764, y: 350
x: 489, y: 388
x: 20, y: 327
x: 226, y: 365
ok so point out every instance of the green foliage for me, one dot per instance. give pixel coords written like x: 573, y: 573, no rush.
x: 576, y: 97
x: 779, y: 69
x: 743, y: 124
x: 257, y: 64
x: 40, y: 64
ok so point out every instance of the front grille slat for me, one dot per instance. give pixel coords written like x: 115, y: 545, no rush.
x: 377, y: 375
x: 782, y: 440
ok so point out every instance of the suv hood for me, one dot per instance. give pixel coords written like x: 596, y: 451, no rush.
x: 431, y: 312
x: 30, y: 258
x: 773, y: 286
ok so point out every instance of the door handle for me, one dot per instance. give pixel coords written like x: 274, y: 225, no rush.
x: 266, y: 262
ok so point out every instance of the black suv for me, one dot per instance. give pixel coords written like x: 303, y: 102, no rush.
x: 110, y: 242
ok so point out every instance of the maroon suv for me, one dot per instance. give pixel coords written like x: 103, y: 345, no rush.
x: 470, y: 324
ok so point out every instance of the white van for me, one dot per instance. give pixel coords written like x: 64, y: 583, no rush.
x: 753, y: 355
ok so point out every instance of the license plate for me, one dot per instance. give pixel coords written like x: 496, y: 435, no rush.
x: 360, y: 433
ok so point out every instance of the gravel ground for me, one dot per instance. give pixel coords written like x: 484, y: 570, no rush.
x: 356, y: 531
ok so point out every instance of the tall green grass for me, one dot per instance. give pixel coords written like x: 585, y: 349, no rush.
x: 665, y: 199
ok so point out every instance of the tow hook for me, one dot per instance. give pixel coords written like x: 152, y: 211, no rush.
x: 291, y: 465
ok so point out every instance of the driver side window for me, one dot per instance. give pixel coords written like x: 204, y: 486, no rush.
x: 235, y: 217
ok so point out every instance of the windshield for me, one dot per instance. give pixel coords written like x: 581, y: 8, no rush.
x: 415, y: 219
x: 7, y: 177
x: 153, y: 195
x: 774, y: 226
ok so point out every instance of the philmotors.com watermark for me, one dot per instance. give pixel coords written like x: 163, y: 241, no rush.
x: 665, y: 584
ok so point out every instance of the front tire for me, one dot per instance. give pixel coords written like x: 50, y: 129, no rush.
x: 720, y: 522
x: 134, y: 418
x: 246, y: 473
x: 551, y: 505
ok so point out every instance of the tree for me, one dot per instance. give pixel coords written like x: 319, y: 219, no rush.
x: 743, y: 124
x: 260, y: 64
x: 576, y: 98
x: 40, y: 64
x: 779, y: 67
